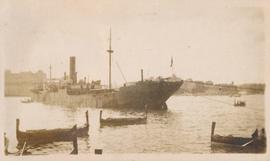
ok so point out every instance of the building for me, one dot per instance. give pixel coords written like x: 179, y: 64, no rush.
x: 20, y: 84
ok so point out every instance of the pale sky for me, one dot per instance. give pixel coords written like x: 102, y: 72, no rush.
x: 222, y: 41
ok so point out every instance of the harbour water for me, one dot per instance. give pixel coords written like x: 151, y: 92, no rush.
x: 184, y: 128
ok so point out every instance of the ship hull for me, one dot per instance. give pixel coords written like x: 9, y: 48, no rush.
x: 154, y: 94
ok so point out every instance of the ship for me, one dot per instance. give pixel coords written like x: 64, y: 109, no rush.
x: 152, y: 93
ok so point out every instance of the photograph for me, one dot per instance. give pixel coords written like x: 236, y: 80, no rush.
x: 134, y: 78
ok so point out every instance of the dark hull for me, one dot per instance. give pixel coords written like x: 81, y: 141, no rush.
x: 122, y: 122
x: 35, y: 137
x: 232, y: 144
x: 44, y: 136
x: 253, y: 144
x: 154, y: 94
x: 237, y: 141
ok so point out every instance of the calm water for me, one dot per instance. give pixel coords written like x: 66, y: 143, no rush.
x: 184, y: 128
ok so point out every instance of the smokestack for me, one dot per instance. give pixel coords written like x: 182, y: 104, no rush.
x: 75, y: 78
x: 142, y: 75
x: 72, y: 69
x: 65, y: 76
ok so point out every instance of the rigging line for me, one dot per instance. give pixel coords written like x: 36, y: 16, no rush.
x: 217, y: 100
x: 211, y: 98
x: 226, y: 103
x: 123, y: 76
x: 239, y: 87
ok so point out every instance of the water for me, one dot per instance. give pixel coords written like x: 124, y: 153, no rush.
x: 184, y: 128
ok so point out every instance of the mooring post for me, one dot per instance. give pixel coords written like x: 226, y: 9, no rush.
x: 17, y: 127
x: 142, y: 75
x: 17, y: 124
x: 75, y: 141
x: 213, y: 129
x: 146, y: 110
x: 6, y: 144
x: 87, y: 120
x: 100, y: 116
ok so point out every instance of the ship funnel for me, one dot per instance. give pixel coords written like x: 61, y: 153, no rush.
x: 142, y: 75
x: 72, y: 69
x: 65, y: 76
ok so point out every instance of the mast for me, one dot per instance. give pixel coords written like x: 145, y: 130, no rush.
x: 110, y: 51
x: 50, y: 72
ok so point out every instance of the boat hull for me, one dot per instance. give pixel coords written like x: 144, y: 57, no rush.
x: 154, y: 94
x: 35, y: 137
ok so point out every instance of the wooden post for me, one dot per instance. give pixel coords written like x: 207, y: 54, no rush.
x: 142, y: 75
x: 75, y: 141
x: 17, y: 127
x: 213, y: 129
x: 100, y: 116
x: 87, y: 120
x: 146, y: 110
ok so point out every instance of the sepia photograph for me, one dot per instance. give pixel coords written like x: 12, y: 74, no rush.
x: 133, y: 78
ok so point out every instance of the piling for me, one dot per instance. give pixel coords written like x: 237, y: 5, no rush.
x: 100, y: 116
x: 17, y: 127
x: 142, y: 75
x: 87, y: 120
x: 75, y: 141
x: 146, y: 110
x: 213, y: 129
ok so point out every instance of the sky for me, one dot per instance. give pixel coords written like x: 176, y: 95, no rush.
x: 222, y: 41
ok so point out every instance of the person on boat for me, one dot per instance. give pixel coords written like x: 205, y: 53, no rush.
x: 262, y: 136
x: 255, y: 135
x: 263, y: 133
x: 6, y: 143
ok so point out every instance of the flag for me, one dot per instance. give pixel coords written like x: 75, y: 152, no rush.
x: 171, y: 61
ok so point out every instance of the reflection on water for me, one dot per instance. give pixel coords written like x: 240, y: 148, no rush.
x: 184, y: 128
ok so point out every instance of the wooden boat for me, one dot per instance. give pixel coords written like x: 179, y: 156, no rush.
x: 121, y: 121
x: 43, y: 136
x: 236, y: 95
x: 83, y: 131
x: 237, y: 141
x: 239, y: 103
x: 29, y: 100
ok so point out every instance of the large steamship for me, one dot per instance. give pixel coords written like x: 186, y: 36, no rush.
x: 69, y: 92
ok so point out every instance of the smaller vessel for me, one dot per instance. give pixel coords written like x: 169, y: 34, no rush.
x: 43, y: 136
x: 255, y: 142
x: 122, y: 121
x: 27, y: 100
x: 239, y: 103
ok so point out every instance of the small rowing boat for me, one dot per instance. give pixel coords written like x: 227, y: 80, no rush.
x: 43, y: 136
x: 239, y: 103
x: 121, y: 121
x: 29, y: 100
x: 241, y: 142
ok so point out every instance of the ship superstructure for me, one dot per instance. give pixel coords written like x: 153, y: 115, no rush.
x: 69, y: 92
